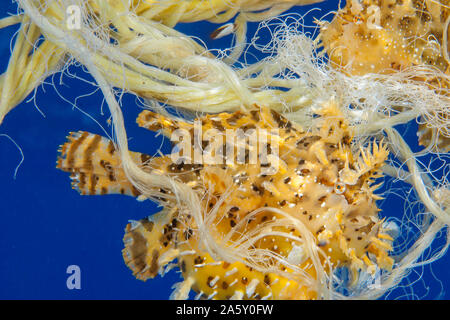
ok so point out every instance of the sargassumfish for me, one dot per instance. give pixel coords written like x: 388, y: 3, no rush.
x: 321, y: 193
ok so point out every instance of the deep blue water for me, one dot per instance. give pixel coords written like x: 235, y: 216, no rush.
x: 46, y: 226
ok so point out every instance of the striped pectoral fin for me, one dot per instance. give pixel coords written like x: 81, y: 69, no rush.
x: 150, y: 244
x: 95, y: 165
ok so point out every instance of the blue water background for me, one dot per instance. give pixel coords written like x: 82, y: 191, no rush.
x: 46, y: 226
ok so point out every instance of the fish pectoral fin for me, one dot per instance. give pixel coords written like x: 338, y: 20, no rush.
x: 95, y: 165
